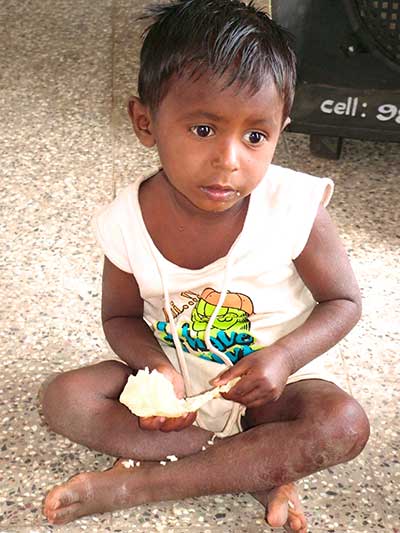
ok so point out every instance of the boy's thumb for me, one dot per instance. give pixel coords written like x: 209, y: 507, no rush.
x: 236, y: 371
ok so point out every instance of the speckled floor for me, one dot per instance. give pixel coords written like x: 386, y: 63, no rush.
x: 67, y: 68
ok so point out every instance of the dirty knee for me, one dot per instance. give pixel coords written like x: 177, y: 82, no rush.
x: 344, y: 432
x: 355, y: 427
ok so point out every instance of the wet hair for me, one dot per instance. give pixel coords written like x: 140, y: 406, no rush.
x: 232, y: 40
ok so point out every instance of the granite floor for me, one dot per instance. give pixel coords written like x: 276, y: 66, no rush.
x: 67, y: 69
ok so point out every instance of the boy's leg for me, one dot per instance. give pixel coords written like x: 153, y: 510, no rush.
x: 83, y: 405
x: 294, y: 403
x: 316, y: 425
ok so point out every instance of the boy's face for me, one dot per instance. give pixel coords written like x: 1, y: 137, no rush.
x: 214, y: 144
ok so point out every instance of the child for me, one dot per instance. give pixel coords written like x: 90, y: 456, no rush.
x: 218, y: 266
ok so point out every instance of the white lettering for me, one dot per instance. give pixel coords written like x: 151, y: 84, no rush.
x: 349, y: 106
x: 339, y: 108
x: 387, y: 112
x: 326, y: 106
x: 355, y: 105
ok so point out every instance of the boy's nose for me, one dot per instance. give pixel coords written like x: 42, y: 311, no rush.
x: 226, y: 156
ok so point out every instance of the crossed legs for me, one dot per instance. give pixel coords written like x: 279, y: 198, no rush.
x: 312, y: 426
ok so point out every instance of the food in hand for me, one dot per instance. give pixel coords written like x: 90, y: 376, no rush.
x: 152, y: 394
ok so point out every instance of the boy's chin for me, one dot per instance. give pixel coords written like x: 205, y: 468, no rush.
x: 215, y: 208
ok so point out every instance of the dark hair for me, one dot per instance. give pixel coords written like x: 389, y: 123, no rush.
x: 227, y: 37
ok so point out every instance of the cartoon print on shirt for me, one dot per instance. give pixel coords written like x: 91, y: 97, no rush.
x: 230, y: 332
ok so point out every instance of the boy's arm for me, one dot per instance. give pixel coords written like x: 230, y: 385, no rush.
x: 325, y: 269
x: 133, y: 341
x: 127, y: 333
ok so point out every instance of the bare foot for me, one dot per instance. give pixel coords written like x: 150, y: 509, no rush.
x: 94, y: 492
x: 99, y: 492
x: 283, y: 508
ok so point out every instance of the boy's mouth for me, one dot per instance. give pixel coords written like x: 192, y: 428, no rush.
x: 219, y: 193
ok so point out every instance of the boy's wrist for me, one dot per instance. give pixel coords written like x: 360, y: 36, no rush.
x: 287, y: 357
x: 148, y: 356
x: 165, y: 367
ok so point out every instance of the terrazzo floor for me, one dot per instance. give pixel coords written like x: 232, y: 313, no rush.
x: 67, y: 69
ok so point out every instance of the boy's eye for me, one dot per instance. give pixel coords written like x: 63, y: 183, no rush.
x: 255, y: 137
x: 202, y: 130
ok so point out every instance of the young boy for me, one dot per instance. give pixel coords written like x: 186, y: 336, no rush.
x: 218, y: 266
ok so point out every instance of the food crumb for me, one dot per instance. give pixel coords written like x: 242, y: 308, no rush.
x: 129, y: 463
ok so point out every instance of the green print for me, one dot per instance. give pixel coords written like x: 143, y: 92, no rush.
x: 230, y: 332
x: 227, y: 318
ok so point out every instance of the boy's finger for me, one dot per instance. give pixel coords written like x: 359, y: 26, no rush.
x: 151, y: 423
x: 190, y: 418
x: 170, y: 424
x: 254, y: 398
x: 186, y: 421
x: 240, y: 392
x: 243, y: 387
x: 176, y: 424
x: 234, y: 372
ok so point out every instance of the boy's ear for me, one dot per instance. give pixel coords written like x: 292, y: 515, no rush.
x: 141, y: 121
x: 286, y: 123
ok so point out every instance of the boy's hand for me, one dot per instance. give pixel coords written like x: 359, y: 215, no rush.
x: 164, y: 423
x: 263, y: 377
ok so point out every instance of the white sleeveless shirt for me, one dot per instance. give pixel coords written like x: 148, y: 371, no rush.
x: 264, y: 297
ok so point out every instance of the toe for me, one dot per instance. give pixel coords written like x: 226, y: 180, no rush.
x: 51, y: 502
x: 64, y: 515
x: 58, y: 503
x: 295, y: 526
x: 296, y: 523
x: 61, y: 497
x: 285, y: 509
x: 277, y: 513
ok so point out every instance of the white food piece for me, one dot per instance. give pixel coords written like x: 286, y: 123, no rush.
x: 152, y: 394
x: 129, y: 463
x: 172, y: 458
